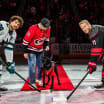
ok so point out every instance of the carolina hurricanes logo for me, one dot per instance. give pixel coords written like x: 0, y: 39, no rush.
x: 39, y: 41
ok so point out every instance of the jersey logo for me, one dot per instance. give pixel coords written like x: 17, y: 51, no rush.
x: 28, y: 34
x: 39, y: 41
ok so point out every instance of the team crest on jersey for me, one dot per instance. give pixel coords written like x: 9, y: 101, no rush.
x: 39, y: 41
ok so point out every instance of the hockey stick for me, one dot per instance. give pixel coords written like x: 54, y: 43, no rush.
x: 26, y: 81
x: 1, y: 60
x: 77, y: 86
x: 64, y: 99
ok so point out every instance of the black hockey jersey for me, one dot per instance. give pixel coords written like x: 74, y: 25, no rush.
x: 97, y: 36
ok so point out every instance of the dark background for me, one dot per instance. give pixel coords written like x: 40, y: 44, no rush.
x: 64, y: 16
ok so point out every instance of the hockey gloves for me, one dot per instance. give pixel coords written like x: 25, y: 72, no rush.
x: 10, y: 67
x: 91, y: 67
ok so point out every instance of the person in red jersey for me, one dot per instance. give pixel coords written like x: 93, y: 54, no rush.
x: 96, y: 35
x: 34, y: 40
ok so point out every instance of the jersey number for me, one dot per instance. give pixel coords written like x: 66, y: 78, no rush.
x: 94, y: 42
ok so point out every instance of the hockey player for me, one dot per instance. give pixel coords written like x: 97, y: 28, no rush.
x: 36, y: 37
x: 7, y: 40
x: 96, y: 35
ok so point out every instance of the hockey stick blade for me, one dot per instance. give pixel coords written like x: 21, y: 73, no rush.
x: 1, y: 60
x: 77, y: 85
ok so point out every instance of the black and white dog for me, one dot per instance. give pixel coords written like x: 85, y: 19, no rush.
x: 49, y: 69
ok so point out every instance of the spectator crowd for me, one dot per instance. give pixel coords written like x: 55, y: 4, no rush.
x: 64, y: 23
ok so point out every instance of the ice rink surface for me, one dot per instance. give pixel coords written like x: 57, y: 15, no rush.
x: 85, y: 94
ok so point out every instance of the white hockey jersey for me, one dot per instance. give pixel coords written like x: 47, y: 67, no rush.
x: 7, y: 38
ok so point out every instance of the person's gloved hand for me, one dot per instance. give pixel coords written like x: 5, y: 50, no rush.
x: 91, y: 67
x: 10, y: 67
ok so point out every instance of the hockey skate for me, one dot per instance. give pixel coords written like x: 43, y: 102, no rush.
x: 3, y: 89
x: 100, y: 86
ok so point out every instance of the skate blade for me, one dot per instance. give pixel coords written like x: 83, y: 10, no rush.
x: 100, y: 89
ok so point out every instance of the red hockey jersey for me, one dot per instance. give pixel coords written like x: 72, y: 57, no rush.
x: 34, y: 38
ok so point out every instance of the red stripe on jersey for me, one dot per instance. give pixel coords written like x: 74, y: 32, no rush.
x: 102, y: 74
x: 25, y: 42
x: 96, y: 50
x: 34, y: 49
x: 92, y: 64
